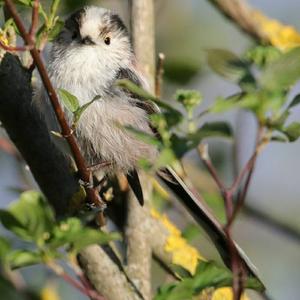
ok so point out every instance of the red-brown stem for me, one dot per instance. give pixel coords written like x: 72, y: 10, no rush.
x: 90, y: 293
x: 227, y: 194
x: 78, y: 271
x: 34, y: 19
x: 15, y: 49
x: 242, y: 196
x: 85, y: 175
x: 250, y: 166
x: 247, y: 169
x: 211, y: 169
x: 236, y: 267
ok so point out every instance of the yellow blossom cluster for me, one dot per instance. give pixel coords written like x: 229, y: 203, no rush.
x: 187, y: 256
x: 183, y: 254
x: 225, y: 294
x: 282, y: 36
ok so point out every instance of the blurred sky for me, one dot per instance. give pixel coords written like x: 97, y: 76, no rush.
x: 183, y: 33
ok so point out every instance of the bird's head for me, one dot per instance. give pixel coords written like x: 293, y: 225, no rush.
x: 94, y: 30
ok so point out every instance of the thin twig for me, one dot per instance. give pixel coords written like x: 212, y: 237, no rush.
x: 237, y: 267
x: 16, y: 49
x: 250, y: 166
x: 34, y: 19
x: 203, y: 152
x: 86, y: 284
x: 58, y: 270
x: 247, y: 169
x: 85, y: 175
x: 159, y: 74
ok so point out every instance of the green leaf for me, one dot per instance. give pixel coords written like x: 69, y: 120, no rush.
x: 54, y: 7
x: 73, y: 234
x: 173, y: 118
x: 249, y: 101
x: 279, y: 139
x: 5, y: 248
x: 294, y: 102
x: 292, y: 131
x: 222, y: 129
x: 55, y: 30
x: 166, y: 157
x: 222, y: 104
x: 145, y: 137
x: 78, y: 113
x: 124, y: 83
x: 277, y: 121
x: 191, y: 232
x: 70, y: 101
x: 283, y: 73
x: 22, y: 258
x: 208, y: 274
x: 127, y: 84
x: 181, y: 145
x: 227, y: 64
x: 29, y: 218
x: 208, y: 130
x: 25, y: 2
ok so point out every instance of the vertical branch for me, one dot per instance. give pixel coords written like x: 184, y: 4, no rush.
x: 105, y: 275
x: 143, y: 31
x: 139, y: 250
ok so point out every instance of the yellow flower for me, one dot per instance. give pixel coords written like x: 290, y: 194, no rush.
x: 225, y: 294
x: 3, y: 38
x: 49, y: 292
x: 282, y: 36
x: 182, y: 253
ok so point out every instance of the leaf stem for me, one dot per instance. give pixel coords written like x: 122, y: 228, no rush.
x: 58, y: 270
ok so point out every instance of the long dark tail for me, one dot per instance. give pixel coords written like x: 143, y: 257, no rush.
x: 204, y: 218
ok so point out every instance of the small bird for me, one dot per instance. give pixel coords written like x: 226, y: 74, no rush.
x: 90, y: 54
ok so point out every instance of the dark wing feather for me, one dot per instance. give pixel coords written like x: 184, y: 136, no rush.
x: 135, y: 184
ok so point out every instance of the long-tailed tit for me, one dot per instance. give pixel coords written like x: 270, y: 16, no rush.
x: 92, y: 51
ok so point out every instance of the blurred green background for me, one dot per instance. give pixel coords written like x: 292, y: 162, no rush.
x: 184, y: 29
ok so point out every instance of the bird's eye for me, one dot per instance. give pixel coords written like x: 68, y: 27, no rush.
x: 107, y: 40
x: 74, y: 35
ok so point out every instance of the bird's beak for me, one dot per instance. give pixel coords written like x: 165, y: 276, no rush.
x: 87, y: 41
